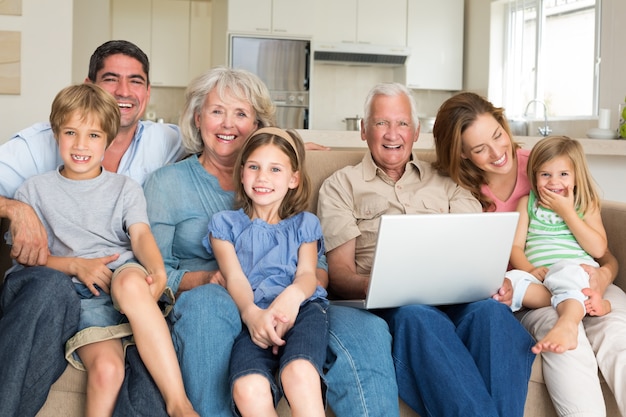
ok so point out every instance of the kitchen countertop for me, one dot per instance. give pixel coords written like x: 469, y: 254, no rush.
x: 342, y: 139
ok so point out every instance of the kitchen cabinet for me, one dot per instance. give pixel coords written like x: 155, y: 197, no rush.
x: 269, y: 17
x: 162, y: 29
x: 435, y: 37
x: 361, y: 21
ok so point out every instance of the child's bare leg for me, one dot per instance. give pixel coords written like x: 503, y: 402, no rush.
x: 564, y: 335
x: 153, y: 339
x: 253, y: 396
x: 303, y: 389
x: 104, y: 362
x: 536, y: 296
x: 595, y: 304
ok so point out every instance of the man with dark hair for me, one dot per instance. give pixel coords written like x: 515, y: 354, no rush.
x: 39, y: 308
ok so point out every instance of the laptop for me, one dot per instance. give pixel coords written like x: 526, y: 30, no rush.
x: 438, y: 259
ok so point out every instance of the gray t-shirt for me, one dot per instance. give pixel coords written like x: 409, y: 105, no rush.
x: 86, y: 218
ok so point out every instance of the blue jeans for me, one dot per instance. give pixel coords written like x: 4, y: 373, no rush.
x: 204, y: 324
x: 468, y: 359
x: 39, y: 312
x: 307, y: 340
x: 360, y: 374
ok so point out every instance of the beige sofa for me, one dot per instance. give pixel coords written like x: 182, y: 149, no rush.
x: 67, y: 395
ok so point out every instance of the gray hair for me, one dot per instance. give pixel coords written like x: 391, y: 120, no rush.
x: 243, y: 85
x: 390, y: 89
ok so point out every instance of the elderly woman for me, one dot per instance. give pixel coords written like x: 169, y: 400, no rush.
x: 223, y: 106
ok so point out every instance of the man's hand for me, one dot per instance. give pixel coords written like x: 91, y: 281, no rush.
x: 29, y: 237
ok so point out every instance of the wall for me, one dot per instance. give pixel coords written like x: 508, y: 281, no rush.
x: 46, y: 65
x: 92, y: 28
x: 612, y: 73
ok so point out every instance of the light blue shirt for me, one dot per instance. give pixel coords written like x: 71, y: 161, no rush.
x: 268, y: 253
x: 34, y: 151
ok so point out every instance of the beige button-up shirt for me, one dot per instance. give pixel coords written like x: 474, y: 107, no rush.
x: 352, y: 200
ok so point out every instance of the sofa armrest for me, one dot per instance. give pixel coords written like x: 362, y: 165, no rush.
x: 614, y: 218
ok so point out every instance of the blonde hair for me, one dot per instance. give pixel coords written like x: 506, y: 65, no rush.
x: 455, y: 115
x: 586, y: 195
x: 87, y: 101
x: 243, y: 85
x: 290, y: 143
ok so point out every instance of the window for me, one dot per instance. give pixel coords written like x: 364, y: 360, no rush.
x: 548, y: 52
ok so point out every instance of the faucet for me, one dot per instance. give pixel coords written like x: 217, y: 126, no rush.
x: 545, y: 130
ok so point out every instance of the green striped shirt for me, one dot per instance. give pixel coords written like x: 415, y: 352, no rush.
x: 549, y: 240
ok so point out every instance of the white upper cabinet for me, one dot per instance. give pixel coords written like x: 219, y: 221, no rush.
x: 335, y: 21
x: 249, y: 15
x: 382, y: 22
x: 361, y: 21
x: 435, y: 37
x: 266, y: 17
x: 170, y: 43
x: 162, y: 29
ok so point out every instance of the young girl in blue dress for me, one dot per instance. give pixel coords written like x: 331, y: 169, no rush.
x: 267, y: 250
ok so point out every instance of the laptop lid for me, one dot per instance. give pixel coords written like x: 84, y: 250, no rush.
x: 438, y: 259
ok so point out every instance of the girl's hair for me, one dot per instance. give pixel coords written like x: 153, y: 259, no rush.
x: 240, y: 84
x: 454, y: 116
x: 290, y: 143
x: 89, y: 102
x: 585, y: 193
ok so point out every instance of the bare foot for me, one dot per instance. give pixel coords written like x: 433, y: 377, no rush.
x: 562, y: 337
x: 595, y: 305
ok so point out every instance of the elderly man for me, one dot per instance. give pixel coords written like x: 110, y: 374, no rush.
x: 469, y: 359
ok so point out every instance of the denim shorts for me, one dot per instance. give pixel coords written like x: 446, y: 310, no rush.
x: 307, y: 339
x: 100, y: 319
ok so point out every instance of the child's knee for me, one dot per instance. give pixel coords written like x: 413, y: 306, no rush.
x: 250, y: 387
x: 107, y: 373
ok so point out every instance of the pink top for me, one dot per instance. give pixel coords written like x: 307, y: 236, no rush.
x: 522, y: 186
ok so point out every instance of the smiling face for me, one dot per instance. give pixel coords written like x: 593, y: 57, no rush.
x: 224, y: 124
x: 125, y: 79
x: 267, y: 176
x: 556, y: 176
x: 488, y: 146
x: 81, y: 144
x: 390, y: 133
